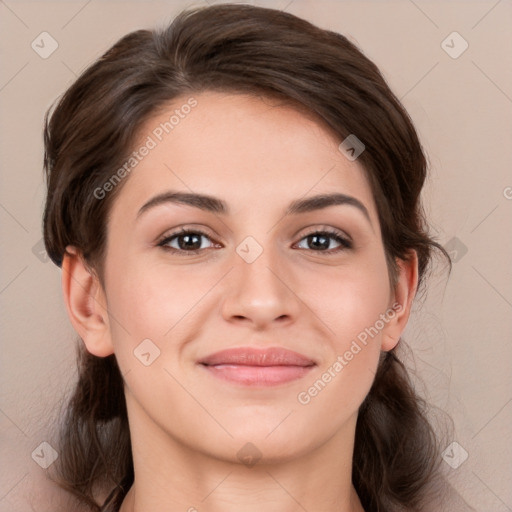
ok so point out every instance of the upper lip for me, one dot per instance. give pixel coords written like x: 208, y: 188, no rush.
x: 249, y: 356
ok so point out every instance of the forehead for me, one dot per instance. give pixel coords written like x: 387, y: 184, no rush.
x: 242, y: 148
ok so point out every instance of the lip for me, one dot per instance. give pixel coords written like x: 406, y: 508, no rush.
x: 257, y: 367
x: 249, y: 356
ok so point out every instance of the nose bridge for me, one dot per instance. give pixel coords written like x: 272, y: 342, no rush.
x: 258, y: 264
x: 257, y: 287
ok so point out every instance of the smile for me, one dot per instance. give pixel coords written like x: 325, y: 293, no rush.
x: 255, y: 367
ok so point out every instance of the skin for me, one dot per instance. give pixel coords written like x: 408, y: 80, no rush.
x: 186, y: 425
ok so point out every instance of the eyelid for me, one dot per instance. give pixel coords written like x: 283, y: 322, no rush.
x: 185, y: 228
x: 329, y: 229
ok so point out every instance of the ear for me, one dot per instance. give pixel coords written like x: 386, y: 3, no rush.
x: 86, y: 303
x: 402, y: 297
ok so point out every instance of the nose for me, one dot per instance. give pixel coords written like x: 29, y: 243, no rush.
x: 260, y: 293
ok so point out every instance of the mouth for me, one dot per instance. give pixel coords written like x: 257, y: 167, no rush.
x: 256, y: 367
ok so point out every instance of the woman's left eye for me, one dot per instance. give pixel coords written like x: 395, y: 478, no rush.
x: 323, y: 239
x: 189, y: 241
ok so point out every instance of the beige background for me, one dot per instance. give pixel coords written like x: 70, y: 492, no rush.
x: 460, y: 333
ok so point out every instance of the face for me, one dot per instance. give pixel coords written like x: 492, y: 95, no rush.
x: 312, y: 280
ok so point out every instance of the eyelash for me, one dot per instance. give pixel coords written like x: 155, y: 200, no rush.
x: 344, y: 242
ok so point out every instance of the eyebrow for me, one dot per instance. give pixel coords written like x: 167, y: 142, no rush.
x: 216, y: 205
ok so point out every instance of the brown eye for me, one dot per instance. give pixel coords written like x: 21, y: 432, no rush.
x: 187, y: 241
x: 320, y: 241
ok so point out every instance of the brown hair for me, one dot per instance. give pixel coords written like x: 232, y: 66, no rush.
x: 259, y: 51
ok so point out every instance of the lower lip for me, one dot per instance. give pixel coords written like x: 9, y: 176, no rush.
x: 258, y: 375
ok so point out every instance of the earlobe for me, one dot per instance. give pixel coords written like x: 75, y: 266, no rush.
x: 402, y: 297
x: 86, y: 304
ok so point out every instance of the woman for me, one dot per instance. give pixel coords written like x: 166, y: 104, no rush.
x: 235, y: 205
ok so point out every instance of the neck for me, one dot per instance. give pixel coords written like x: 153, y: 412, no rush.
x: 173, y: 476
x: 132, y: 503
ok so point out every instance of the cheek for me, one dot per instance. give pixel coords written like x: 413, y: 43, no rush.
x: 350, y: 300
x: 351, y: 304
x: 352, y: 307
x: 150, y: 300
x: 138, y: 287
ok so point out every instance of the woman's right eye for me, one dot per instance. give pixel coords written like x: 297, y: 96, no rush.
x: 187, y: 241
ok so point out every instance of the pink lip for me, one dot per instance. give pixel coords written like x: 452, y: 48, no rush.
x: 257, y: 367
